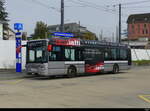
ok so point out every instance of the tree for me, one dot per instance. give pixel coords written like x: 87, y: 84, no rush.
x: 40, y: 31
x: 3, y: 15
x: 89, y: 36
x: 24, y: 36
x: 85, y: 35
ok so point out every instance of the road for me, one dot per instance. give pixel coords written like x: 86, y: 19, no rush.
x: 128, y: 89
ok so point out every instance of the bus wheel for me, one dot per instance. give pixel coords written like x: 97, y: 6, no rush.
x: 29, y: 73
x: 115, y: 69
x: 71, y: 72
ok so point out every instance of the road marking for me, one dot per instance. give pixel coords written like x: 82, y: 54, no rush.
x: 18, y: 81
x: 145, y: 98
x: 14, y: 82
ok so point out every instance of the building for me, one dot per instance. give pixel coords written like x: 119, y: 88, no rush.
x: 69, y: 27
x: 9, y: 34
x: 78, y: 31
x: 139, y: 26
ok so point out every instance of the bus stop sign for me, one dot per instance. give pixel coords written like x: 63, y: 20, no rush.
x: 18, y: 52
x: 18, y: 26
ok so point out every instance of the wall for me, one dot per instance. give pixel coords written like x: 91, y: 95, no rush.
x: 140, y: 54
x: 8, y: 54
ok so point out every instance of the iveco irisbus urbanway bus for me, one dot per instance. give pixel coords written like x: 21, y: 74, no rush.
x: 72, y: 56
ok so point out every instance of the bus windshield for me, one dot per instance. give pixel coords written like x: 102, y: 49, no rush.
x: 36, y: 54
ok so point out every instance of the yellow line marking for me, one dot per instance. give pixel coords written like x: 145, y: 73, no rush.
x: 144, y: 97
x: 15, y: 82
x: 18, y: 81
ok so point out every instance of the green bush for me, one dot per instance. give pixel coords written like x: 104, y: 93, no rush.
x: 142, y: 62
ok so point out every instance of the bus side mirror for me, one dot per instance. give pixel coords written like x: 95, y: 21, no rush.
x: 49, y: 48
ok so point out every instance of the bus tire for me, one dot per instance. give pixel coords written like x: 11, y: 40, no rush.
x: 71, y: 72
x: 29, y: 73
x: 115, y: 69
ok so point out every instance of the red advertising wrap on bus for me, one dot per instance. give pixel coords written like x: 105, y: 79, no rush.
x: 94, y: 68
x: 68, y: 42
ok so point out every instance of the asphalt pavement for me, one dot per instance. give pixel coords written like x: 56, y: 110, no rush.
x: 6, y: 74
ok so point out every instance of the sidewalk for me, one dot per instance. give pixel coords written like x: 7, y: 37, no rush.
x: 11, y: 74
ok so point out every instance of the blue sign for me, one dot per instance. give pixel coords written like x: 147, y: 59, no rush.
x: 18, y: 52
x: 18, y: 26
x: 63, y: 34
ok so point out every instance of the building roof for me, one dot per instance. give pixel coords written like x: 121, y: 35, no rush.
x: 66, y: 24
x: 135, y: 43
x: 145, y: 17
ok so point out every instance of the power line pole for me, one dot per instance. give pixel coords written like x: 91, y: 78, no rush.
x: 119, y: 23
x: 62, y: 16
x: 79, y: 29
x: 117, y: 34
x: 101, y: 35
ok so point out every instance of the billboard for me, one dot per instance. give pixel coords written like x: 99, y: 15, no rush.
x: 1, y: 31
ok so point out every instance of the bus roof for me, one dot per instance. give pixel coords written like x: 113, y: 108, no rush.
x: 84, y: 42
x: 80, y: 42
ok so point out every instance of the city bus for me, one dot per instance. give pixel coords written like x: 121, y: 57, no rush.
x: 73, y: 56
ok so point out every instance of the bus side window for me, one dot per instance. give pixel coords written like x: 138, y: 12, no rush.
x: 79, y: 55
x: 52, y: 56
x: 55, y: 54
x: 107, y: 54
x: 123, y: 54
x: 114, y: 54
x: 118, y: 54
x: 69, y: 54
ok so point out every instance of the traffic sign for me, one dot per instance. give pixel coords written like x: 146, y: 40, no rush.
x: 18, y: 26
x: 63, y: 34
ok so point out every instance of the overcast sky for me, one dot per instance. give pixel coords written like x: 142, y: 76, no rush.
x: 96, y: 16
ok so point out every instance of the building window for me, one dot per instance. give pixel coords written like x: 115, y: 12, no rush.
x: 132, y: 28
x: 143, y: 32
x: 146, y: 31
x: 139, y: 28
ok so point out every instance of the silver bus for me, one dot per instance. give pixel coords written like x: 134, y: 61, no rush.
x: 72, y: 56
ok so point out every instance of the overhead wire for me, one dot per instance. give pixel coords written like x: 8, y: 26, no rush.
x: 84, y: 4
x: 135, y: 3
x: 44, y: 5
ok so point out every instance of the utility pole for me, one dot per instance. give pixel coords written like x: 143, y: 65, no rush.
x: 79, y: 30
x: 62, y: 16
x: 113, y: 37
x: 101, y: 35
x: 119, y: 23
x: 117, y: 34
